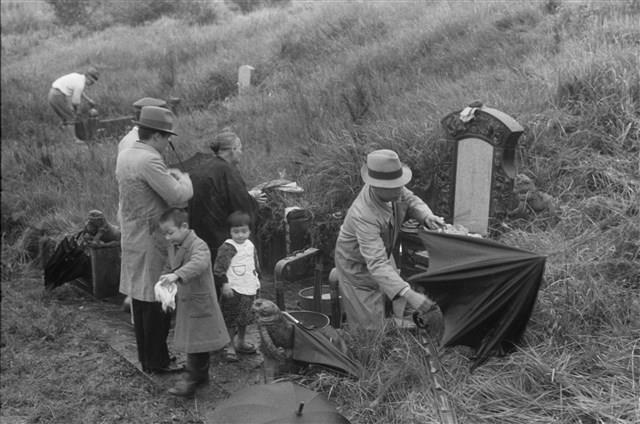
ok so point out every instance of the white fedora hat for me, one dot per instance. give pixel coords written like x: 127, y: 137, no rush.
x: 384, y: 169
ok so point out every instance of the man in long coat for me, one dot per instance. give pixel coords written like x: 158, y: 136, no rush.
x: 219, y: 190
x: 147, y: 187
x: 365, y: 266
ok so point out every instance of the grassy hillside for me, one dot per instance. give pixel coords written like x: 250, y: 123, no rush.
x: 335, y: 80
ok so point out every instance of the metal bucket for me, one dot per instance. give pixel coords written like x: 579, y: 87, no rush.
x: 305, y: 297
x: 311, y: 320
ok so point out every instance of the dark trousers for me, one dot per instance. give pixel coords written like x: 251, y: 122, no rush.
x: 197, y: 367
x: 151, y: 326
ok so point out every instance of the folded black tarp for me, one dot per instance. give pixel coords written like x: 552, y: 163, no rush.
x: 486, y: 290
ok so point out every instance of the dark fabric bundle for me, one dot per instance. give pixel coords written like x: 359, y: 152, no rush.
x: 68, y: 262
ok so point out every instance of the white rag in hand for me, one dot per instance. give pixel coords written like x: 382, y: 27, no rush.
x: 166, y: 295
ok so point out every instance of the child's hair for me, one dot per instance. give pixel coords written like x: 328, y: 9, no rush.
x: 176, y: 215
x: 239, y: 219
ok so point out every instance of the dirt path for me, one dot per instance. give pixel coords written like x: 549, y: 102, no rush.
x: 110, y: 323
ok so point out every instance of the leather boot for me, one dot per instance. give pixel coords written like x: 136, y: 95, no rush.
x: 197, y: 375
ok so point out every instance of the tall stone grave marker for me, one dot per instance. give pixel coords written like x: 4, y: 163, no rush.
x: 474, y: 187
x: 244, y: 77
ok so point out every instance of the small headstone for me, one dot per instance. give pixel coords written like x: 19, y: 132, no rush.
x: 244, y: 77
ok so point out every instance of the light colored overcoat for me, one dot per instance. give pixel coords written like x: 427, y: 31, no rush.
x: 199, y: 325
x: 364, y: 264
x: 146, y: 190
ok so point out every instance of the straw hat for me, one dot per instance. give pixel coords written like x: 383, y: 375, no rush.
x: 383, y: 169
x: 156, y: 118
x: 149, y: 101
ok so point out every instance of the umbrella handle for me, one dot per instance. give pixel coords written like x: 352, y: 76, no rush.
x: 300, y: 408
x: 291, y: 318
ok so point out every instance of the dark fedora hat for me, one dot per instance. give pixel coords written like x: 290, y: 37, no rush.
x: 156, y: 118
x: 383, y: 169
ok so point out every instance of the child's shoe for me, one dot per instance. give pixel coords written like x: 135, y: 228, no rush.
x: 184, y: 388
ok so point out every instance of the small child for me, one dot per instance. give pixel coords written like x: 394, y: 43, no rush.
x: 236, y: 272
x: 199, y: 327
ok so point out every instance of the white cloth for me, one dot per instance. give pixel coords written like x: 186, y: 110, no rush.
x: 468, y: 113
x: 166, y: 295
x: 71, y: 85
x: 241, y: 274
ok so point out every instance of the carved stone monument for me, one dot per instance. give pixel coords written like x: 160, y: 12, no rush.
x: 244, y: 77
x: 474, y: 186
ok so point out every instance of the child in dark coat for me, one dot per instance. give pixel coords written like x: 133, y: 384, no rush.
x: 236, y: 271
x: 199, y: 325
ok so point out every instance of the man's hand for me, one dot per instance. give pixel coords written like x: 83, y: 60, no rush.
x: 429, y: 317
x: 259, y: 195
x: 434, y: 222
x: 167, y: 279
x: 227, y: 291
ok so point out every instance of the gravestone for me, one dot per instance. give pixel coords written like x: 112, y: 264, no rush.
x: 473, y: 186
x: 244, y: 77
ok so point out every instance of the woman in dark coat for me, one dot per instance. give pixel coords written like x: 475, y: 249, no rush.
x: 219, y: 190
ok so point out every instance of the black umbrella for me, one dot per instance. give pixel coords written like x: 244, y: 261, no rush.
x: 276, y: 403
x: 311, y: 346
x: 486, y: 290
x: 68, y: 262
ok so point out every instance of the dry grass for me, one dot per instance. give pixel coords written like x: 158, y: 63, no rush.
x: 335, y: 80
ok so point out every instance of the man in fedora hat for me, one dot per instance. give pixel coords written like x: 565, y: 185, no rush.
x: 364, y: 264
x: 132, y: 136
x: 128, y: 141
x: 147, y: 188
x: 66, y: 94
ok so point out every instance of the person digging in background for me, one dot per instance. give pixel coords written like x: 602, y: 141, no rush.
x: 236, y: 272
x: 199, y: 327
x: 364, y: 264
x: 219, y: 190
x: 147, y: 188
x: 132, y: 136
x: 65, y: 96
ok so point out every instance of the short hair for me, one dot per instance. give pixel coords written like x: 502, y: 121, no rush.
x: 178, y: 216
x: 145, y: 133
x: 224, y: 140
x: 239, y: 219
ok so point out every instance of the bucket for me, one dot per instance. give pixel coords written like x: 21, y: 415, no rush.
x: 311, y: 320
x: 305, y: 297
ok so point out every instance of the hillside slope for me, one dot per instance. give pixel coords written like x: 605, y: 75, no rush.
x: 335, y: 80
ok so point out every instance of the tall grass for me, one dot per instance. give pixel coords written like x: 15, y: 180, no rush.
x: 335, y: 80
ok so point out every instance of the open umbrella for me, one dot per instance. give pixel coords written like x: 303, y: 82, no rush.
x: 311, y: 346
x: 486, y: 290
x: 280, y: 403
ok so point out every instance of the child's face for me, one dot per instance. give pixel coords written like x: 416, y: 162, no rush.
x: 174, y: 234
x: 240, y: 234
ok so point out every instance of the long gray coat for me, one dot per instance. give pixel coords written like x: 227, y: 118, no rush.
x: 365, y: 268
x: 199, y: 323
x: 146, y: 190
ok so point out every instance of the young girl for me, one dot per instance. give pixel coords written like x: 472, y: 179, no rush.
x: 236, y: 271
x: 199, y: 325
